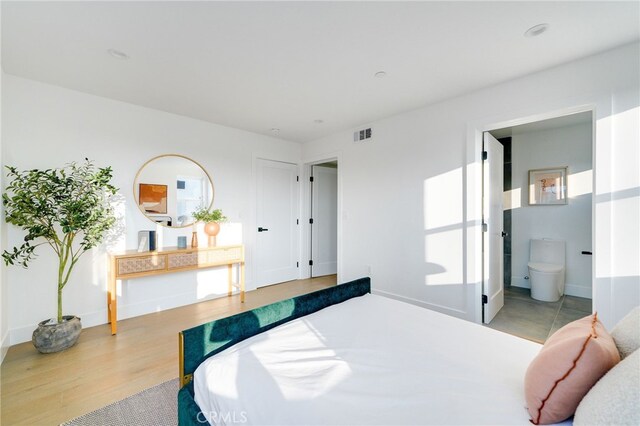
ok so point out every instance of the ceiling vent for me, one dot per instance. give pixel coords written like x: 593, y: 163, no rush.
x: 362, y: 135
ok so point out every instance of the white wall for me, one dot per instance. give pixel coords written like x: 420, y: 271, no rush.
x: 411, y: 196
x: 4, y: 300
x: 48, y: 126
x: 566, y: 146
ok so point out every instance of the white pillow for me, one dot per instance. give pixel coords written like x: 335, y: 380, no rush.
x: 626, y: 333
x: 613, y: 400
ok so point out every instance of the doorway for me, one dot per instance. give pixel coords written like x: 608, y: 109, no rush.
x: 565, y: 141
x: 323, y: 222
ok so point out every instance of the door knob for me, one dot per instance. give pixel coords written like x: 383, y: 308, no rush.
x: 504, y: 234
x: 261, y: 229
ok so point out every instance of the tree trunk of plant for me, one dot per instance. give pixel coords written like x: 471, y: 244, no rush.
x: 59, y: 305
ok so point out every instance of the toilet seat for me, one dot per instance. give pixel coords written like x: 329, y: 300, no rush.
x: 545, y: 267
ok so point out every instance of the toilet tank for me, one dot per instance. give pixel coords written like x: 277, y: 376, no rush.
x: 547, y: 251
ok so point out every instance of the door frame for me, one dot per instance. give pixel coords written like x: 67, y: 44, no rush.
x: 318, y: 237
x: 472, y: 176
x: 305, y: 228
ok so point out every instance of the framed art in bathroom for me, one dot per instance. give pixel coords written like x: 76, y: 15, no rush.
x: 548, y: 186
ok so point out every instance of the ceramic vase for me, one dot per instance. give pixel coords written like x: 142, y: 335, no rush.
x: 212, y: 229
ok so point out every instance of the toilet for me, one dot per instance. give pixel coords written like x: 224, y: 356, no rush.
x: 546, y: 269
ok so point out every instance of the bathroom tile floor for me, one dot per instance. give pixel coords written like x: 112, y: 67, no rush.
x: 536, y: 320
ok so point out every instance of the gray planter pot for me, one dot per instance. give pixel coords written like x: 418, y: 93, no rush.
x: 53, y: 337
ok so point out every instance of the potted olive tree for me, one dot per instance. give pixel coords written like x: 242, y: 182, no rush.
x: 68, y: 209
x: 211, y: 220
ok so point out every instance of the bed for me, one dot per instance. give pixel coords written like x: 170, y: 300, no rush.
x: 345, y: 356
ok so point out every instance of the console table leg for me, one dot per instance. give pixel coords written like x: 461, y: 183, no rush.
x: 112, y: 300
x: 113, y: 306
x: 230, y: 279
x: 241, y: 277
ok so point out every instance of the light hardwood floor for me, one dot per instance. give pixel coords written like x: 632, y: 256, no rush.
x: 100, y: 369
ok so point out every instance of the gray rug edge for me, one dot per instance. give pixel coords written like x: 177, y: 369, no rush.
x: 113, y: 414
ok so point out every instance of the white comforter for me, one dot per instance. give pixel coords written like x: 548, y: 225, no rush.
x: 370, y: 360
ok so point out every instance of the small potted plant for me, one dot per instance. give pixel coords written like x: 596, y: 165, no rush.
x: 68, y: 209
x: 211, y: 220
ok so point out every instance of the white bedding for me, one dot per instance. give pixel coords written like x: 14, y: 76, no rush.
x: 369, y: 360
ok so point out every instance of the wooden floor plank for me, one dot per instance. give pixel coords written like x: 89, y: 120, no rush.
x: 39, y: 389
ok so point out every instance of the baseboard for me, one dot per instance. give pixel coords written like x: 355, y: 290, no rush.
x: 4, y: 348
x: 578, y: 291
x: 162, y: 304
x: 433, y: 306
x: 569, y: 289
x: 520, y: 282
x: 89, y: 319
x: 92, y: 319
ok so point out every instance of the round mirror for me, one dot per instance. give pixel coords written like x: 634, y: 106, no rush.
x: 169, y: 188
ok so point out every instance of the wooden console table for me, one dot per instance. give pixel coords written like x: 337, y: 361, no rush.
x: 134, y: 264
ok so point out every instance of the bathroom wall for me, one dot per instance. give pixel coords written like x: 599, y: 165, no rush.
x: 565, y: 146
x: 506, y: 216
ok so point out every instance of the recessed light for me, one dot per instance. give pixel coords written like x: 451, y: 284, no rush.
x: 275, y: 130
x: 318, y: 121
x: 118, y: 54
x: 536, y: 30
x: 380, y: 74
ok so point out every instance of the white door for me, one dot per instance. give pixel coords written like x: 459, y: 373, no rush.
x: 277, y: 231
x: 492, y: 242
x: 324, y: 212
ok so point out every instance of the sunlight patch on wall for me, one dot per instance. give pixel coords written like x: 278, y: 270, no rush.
x: 443, y: 200
x: 115, y: 239
x: 160, y: 236
x: 443, y: 256
x: 623, y: 260
x: 512, y: 199
x: 627, y: 129
x: 580, y: 183
x: 230, y: 234
x: 212, y: 282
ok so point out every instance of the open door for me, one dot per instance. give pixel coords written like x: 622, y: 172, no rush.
x: 324, y: 223
x: 492, y: 218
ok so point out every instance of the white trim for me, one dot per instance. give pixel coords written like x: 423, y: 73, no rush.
x: 578, y: 291
x: 21, y: 334
x: 473, y: 178
x: 156, y: 305
x: 305, y: 198
x: 4, y: 348
x: 91, y: 319
x: 569, y: 289
x: 433, y: 306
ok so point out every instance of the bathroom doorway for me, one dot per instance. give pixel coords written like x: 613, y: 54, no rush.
x: 324, y: 219
x: 553, y: 144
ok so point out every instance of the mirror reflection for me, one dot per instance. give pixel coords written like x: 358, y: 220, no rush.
x: 170, y: 187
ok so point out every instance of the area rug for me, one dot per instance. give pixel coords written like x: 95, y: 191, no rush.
x: 154, y: 406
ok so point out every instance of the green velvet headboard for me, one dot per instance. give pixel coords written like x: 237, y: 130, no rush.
x: 201, y: 342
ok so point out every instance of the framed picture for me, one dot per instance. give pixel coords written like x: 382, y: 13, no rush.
x: 153, y: 198
x: 548, y: 186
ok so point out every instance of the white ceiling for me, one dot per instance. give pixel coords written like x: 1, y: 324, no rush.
x: 263, y: 65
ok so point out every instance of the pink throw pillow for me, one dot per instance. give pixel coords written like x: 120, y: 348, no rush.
x: 568, y: 365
